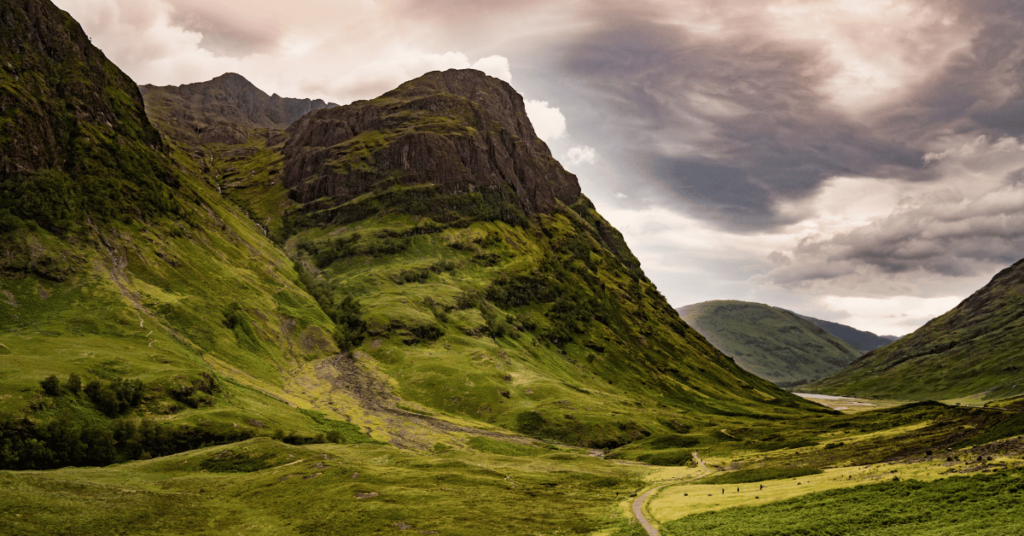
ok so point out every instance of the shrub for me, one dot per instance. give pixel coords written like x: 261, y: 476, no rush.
x: 74, y: 384
x: 51, y: 385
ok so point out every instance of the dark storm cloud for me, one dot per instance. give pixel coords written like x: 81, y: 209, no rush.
x: 735, y: 125
x: 951, y: 233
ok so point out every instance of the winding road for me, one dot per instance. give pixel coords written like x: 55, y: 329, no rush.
x: 638, y: 504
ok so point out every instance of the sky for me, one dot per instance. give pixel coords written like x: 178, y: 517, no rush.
x: 859, y: 161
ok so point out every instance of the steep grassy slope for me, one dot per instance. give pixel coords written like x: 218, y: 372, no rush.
x: 120, y: 266
x: 775, y: 344
x: 862, y: 341
x: 973, y: 350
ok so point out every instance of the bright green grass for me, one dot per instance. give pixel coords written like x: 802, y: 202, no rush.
x: 264, y: 487
x: 982, y: 504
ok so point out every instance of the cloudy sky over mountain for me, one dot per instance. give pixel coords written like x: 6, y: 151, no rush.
x: 854, y: 160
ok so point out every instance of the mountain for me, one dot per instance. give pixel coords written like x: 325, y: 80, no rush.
x: 862, y: 341
x: 488, y: 286
x: 773, y: 343
x: 75, y: 145
x: 973, y: 350
x: 222, y: 110
x: 415, y: 269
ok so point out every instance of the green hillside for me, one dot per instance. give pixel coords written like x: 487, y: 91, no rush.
x: 773, y: 343
x: 973, y: 350
x: 165, y: 317
x: 424, y: 269
x: 862, y: 341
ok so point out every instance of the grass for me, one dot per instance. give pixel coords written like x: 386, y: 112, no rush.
x: 834, y: 481
x: 912, y: 507
x: 264, y: 487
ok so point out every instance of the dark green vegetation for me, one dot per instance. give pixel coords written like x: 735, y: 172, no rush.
x: 862, y: 341
x: 775, y: 344
x: 947, y: 506
x: 815, y: 443
x: 973, y: 350
x: 264, y: 487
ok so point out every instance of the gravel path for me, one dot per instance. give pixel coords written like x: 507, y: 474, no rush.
x: 638, y: 504
x: 638, y: 511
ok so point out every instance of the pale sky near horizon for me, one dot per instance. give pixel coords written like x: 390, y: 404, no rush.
x: 859, y: 161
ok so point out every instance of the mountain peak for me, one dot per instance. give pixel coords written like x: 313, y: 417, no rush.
x: 456, y: 132
x: 224, y: 109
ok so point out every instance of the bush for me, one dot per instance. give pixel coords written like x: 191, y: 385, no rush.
x: 195, y: 392
x: 51, y: 385
x: 74, y: 384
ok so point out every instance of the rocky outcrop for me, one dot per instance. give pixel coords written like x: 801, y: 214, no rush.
x: 74, y: 136
x: 459, y: 131
x: 224, y: 109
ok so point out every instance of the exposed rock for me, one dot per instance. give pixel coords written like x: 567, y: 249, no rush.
x: 74, y: 137
x: 458, y: 132
x: 225, y: 109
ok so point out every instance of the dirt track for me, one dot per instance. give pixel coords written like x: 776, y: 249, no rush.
x: 638, y: 511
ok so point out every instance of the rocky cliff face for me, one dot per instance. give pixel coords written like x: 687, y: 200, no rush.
x: 448, y: 133
x: 223, y: 109
x: 74, y: 138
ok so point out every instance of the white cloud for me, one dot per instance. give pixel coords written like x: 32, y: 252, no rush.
x: 496, y: 66
x: 367, y: 49
x: 581, y: 155
x: 548, y: 122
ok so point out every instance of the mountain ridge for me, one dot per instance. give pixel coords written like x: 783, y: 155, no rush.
x: 221, y: 110
x: 864, y: 341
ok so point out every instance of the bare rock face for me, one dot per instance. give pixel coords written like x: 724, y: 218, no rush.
x: 445, y: 134
x: 224, y: 109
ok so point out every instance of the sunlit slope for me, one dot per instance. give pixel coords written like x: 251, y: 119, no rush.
x: 775, y: 344
x: 452, y: 248
x: 973, y: 350
x: 119, y: 263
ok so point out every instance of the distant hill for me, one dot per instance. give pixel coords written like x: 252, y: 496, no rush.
x: 864, y: 341
x: 775, y: 344
x: 973, y: 349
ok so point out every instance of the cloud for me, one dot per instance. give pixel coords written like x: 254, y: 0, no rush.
x: 548, y: 122
x: 366, y: 49
x: 965, y: 225
x: 581, y: 155
x: 496, y: 66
